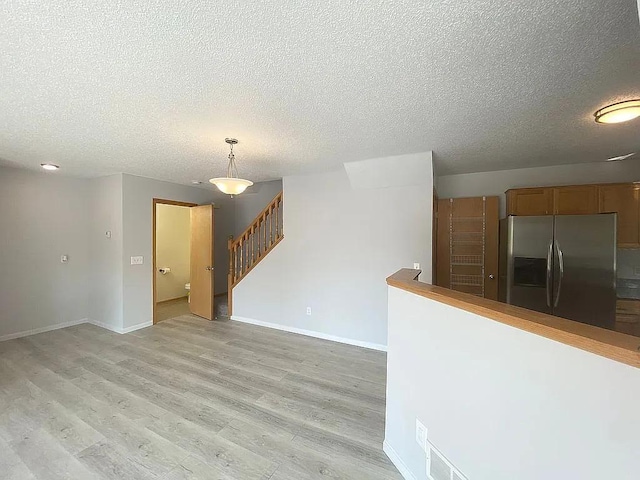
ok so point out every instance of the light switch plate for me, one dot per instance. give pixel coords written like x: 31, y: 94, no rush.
x: 416, y: 266
x: 64, y: 258
x: 139, y: 260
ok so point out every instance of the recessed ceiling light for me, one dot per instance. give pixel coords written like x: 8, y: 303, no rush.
x: 618, y: 112
x: 196, y: 182
x: 49, y: 166
x: 621, y: 157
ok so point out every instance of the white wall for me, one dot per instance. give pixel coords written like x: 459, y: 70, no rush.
x: 43, y: 216
x: 252, y: 202
x: 339, y: 245
x: 105, y: 264
x: 173, y: 250
x: 496, y: 183
x: 501, y: 403
x: 138, y: 195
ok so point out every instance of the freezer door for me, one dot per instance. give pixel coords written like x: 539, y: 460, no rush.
x: 529, y: 262
x: 585, y: 268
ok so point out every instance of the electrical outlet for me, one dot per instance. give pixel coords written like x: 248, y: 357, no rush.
x: 308, y: 310
x: 416, y: 266
x: 421, y: 435
x: 107, y: 234
x: 64, y: 258
x: 139, y: 260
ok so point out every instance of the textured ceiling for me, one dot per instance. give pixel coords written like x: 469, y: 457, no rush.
x: 152, y: 88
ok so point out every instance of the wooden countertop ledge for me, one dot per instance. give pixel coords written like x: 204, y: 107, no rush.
x: 616, y: 346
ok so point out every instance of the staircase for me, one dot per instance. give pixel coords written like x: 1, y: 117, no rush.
x: 252, y: 245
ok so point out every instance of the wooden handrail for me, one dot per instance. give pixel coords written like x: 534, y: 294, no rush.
x: 255, y: 242
x: 276, y: 199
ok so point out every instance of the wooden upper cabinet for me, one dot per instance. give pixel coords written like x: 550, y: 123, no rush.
x: 623, y: 200
x: 620, y: 198
x: 575, y: 200
x: 530, y: 201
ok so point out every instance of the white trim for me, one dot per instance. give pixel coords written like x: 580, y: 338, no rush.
x: 397, y: 461
x: 311, y: 333
x: 136, y: 327
x: 49, y: 328
x: 58, y: 326
x: 120, y: 330
x: 106, y: 326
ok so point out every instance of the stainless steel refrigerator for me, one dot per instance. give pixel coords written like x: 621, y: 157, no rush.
x: 563, y: 265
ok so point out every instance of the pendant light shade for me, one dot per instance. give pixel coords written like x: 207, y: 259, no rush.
x: 231, y: 184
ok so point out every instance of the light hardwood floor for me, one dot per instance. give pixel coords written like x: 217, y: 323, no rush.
x: 190, y: 399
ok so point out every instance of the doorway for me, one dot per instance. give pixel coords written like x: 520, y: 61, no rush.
x: 182, y: 260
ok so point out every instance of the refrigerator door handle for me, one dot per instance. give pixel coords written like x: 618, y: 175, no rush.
x: 549, y: 285
x: 561, y: 265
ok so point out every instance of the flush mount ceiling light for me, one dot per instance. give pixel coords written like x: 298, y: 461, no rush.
x: 620, y: 157
x: 618, y: 112
x: 49, y: 166
x: 231, y: 184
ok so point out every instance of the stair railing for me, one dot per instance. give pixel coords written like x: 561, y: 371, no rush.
x: 252, y: 245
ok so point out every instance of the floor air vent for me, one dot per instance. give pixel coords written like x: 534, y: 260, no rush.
x: 439, y: 468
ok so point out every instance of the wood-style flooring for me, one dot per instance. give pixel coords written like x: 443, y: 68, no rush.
x: 190, y: 399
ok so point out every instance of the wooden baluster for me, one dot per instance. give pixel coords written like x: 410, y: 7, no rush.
x: 247, y: 263
x: 270, y: 218
x: 277, y: 230
x: 241, y: 269
x: 230, y: 273
x: 259, y: 238
x: 279, y: 218
x: 253, y: 247
x: 266, y: 238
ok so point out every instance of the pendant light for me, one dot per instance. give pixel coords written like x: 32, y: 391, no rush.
x: 231, y: 184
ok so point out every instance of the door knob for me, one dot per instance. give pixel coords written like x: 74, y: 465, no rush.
x: 491, y: 276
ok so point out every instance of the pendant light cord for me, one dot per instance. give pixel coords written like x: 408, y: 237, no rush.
x: 232, y: 168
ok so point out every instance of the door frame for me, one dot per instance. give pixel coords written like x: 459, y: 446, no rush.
x: 162, y: 201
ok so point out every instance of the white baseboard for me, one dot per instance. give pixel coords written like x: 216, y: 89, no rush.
x: 120, y: 330
x: 137, y: 327
x: 397, y: 461
x: 311, y: 333
x: 106, y: 326
x: 49, y: 328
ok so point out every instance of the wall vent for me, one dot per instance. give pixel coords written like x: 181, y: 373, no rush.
x: 439, y: 468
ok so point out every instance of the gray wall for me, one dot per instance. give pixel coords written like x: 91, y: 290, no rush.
x: 138, y: 195
x: 105, y: 299
x: 46, y: 215
x: 340, y: 244
x: 252, y: 202
x: 496, y: 183
x: 43, y: 217
x: 504, y: 404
